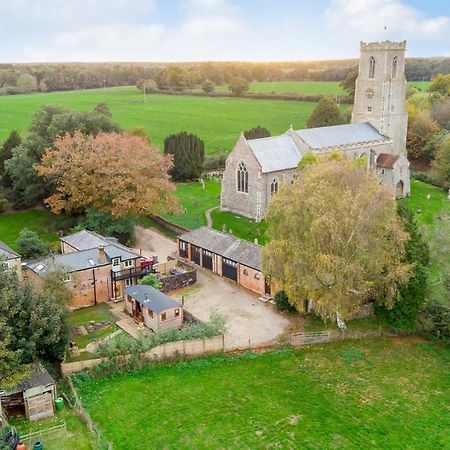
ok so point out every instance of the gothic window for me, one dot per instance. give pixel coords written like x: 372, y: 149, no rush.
x: 242, y: 178
x: 394, y: 66
x: 372, y: 67
x: 274, y: 187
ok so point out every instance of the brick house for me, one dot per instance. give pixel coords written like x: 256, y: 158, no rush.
x: 152, y: 307
x: 226, y: 256
x: 97, y: 269
x: 11, y: 258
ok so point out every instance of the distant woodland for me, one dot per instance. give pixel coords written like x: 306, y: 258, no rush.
x: 27, y: 78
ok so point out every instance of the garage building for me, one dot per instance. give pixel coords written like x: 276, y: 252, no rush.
x: 226, y: 256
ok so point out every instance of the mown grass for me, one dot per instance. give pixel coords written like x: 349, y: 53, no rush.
x: 378, y: 394
x: 39, y: 220
x: 218, y: 121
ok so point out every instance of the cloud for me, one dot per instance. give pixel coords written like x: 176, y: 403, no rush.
x: 368, y: 19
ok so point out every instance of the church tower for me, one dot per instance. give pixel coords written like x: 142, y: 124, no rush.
x: 380, y: 94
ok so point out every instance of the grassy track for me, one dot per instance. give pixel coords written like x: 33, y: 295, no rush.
x: 377, y: 394
x: 218, y: 121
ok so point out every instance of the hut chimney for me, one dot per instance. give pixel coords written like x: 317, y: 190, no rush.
x: 101, y: 254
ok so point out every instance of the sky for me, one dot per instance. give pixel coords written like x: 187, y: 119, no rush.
x: 198, y: 30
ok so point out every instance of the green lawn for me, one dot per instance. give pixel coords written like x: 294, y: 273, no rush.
x: 378, y: 394
x: 422, y: 85
x: 218, y: 121
x: 77, y: 436
x: 39, y: 220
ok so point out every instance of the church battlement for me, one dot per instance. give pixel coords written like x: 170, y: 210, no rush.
x: 382, y: 45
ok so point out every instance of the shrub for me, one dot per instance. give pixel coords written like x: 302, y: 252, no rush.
x: 257, y: 133
x: 30, y: 245
x: 151, y: 280
x: 436, y: 321
x: 282, y: 301
x: 216, y: 161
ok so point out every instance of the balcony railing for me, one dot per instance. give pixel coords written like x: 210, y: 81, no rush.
x: 132, y: 272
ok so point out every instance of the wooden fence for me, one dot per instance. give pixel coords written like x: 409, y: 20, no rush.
x: 52, y: 433
x: 307, y: 338
x: 196, y: 347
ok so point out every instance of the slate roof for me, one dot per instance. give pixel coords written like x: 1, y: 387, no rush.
x: 386, y: 160
x: 85, y: 239
x: 226, y: 245
x: 81, y: 260
x: 39, y: 377
x: 275, y: 153
x: 7, y: 252
x: 151, y: 298
x: 340, y: 135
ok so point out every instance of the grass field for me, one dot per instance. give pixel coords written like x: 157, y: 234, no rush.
x: 378, y: 394
x: 218, y: 121
x: 39, y: 220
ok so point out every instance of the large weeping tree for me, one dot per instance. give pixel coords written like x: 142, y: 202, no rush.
x: 335, y: 239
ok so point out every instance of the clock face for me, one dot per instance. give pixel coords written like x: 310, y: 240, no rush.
x: 369, y: 93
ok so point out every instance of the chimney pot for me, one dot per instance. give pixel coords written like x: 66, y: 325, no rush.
x: 101, y: 254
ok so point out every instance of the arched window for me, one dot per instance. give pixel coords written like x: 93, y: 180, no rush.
x: 242, y: 178
x: 274, y: 187
x: 372, y: 67
x: 394, y: 67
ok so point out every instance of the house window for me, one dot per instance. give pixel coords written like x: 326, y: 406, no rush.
x: 394, y: 66
x: 128, y: 282
x: 182, y: 245
x: 245, y: 272
x: 257, y: 276
x: 115, y: 262
x: 128, y: 263
x: 67, y: 277
x: 242, y: 178
x: 274, y: 187
x: 163, y: 317
x: 372, y: 67
x: 177, y: 313
x: 369, y: 109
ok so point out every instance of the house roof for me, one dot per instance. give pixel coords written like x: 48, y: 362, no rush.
x: 387, y: 160
x: 7, y: 252
x: 275, y: 153
x: 226, y: 245
x: 340, y: 135
x: 151, y: 298
x: 81, y: 260
x: 85, y: 239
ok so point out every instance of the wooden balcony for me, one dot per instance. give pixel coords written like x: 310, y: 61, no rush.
x: 132, y: 272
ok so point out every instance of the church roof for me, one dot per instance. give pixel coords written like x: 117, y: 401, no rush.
x: 275, y: 153
x: 386, y: 160
x: 340, y: 135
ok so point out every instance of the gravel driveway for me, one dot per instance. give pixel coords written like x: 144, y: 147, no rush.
x: 249, y: 321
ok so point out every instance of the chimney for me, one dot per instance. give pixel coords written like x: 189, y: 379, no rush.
x: 101, y: 254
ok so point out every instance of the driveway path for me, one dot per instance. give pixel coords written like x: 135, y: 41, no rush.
x: 150, y: 243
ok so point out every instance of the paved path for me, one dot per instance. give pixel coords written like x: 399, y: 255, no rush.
x: 208, y: 216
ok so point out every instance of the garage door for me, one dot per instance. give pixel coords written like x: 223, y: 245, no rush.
x: 229, y: 269
x: 196, y: 254
x: 207, y: 260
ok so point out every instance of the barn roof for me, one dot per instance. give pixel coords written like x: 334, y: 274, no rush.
x: 275, y: 153
x: 387, y: 160
x: 7, y: 252
x: 226, y: 245
x: 151, y: 298
x: 340, y: 135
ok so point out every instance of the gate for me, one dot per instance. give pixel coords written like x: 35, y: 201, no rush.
x: 207, y: 260
x: 229, y: 269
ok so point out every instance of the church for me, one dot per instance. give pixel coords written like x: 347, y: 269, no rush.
x: 256, y: 168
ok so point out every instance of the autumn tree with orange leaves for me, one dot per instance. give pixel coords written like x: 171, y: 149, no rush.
x: 116, y: 173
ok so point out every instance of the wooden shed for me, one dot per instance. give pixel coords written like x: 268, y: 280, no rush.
x: 33, y: 397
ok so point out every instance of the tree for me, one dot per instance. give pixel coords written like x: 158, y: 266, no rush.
x: 208, y: 86
x: 441, y: 164
x: 420, y: 130
x: 411, y: 294
x: 327, y: 246
x: 257, y: 132
x: 149, y: 85
x: 430, y: 148
x: 440, y: 84
x: 54, y: 287
x: 282, y: 301
x: 348, y: 83
x: 440, y: 113
x: 118, y: 174
x: 325, y: 114
x: 140, y: 131
x: 308, y: 159
x: 30, y: 245
x: 238, y: 86
x: 151, y: 280
x: 27, y: 83
x: 11, y: 142
x: 188, y: 152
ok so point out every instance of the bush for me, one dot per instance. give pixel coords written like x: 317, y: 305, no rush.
x: 151, y: 280
x: 30, y: 245
x: 216, y: 161
x: 436, y: 321
x: 282, y: 302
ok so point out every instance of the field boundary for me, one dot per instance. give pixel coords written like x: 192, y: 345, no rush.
x: 178, y: 229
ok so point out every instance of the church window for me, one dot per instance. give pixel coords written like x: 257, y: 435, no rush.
x: 394, y: 67
x: 372, y: 67
x: 274, y: 187
x: 369, y: 109
x: 242, y: 178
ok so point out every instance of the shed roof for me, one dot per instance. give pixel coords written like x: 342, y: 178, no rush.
x: 39, y: 377
x: 151, y: 298
x: 340, y: 135
x: 7, y: 252
x: 275, y: 153
x: 387, y: 160
x: 226, y: 245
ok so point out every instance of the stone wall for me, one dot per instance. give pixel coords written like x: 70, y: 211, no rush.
x: 173, y: 282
